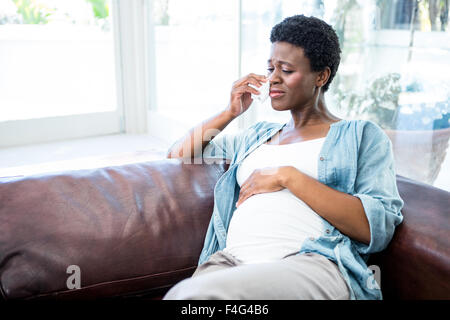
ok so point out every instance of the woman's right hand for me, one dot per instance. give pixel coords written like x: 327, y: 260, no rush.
x: 241, y: 92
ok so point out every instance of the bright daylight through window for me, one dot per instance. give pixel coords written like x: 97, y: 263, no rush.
x: 394, y: 67
x: 56, y: 58
x: 60, y: 59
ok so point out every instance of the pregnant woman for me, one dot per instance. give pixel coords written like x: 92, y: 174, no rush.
x: 302, y: 204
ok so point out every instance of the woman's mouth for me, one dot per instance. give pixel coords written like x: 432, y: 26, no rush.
x: 276, y: 94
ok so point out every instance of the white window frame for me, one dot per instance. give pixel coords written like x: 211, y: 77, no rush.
x: 134, y: 88
x: 22, y: 132
x: 136, y: 60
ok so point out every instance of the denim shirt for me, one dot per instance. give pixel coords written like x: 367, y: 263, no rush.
x: 356, y: 158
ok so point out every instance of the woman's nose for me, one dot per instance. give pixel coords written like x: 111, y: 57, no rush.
x: 273, y: 77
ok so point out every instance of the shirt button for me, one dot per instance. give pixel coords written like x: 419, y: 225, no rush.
x: 321, y: 158
x: 311, y: 238
x: 327, y: 231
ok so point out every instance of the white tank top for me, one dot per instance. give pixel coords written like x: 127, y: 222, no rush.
x: 269, y: 226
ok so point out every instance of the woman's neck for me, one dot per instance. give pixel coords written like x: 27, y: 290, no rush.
x: 315, y: 114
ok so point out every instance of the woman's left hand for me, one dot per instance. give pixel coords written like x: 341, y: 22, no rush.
x: 260, y: 181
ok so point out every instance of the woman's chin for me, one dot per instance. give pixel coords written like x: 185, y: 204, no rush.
x: 278, y: 107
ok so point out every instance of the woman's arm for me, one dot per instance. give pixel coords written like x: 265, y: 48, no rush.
x: 196, y: 140
x: 340, y: 209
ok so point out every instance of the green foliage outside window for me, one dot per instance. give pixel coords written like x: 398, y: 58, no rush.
x: 379, y: 102
x: 100, y: 8
x: 32, y: 12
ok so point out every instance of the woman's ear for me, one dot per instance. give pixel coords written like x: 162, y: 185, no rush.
x: 323, y: 76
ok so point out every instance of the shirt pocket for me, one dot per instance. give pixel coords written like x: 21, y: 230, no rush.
x: 344, y: 176
x: 330, y: 177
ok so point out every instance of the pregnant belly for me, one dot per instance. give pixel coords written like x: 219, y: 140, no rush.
x: 276, y: 220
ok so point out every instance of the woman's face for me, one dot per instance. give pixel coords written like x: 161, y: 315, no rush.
x: 292, y: 84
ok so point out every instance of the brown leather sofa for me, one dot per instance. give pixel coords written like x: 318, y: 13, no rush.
x: 135, y: 230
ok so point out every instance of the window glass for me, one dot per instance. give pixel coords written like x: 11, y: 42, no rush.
x: 394, y: 71
x: 56, y: 58
x: 196, y: 55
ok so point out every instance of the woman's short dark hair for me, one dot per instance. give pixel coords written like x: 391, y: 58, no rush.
x: 317, y: 38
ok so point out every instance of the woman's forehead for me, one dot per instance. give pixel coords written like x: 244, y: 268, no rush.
x: 286, y: 53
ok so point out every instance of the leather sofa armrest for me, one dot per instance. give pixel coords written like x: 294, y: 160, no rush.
x: 416, y: 264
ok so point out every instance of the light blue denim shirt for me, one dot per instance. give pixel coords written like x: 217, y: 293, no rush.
x: 356, y: 158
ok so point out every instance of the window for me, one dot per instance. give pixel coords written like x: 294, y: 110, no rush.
x: 196, y: 57
x: 57, y: 67
x: 394, y: 68
x: 177, y: 60
x: 394, y: 71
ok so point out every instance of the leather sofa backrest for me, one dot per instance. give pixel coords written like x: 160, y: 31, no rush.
x: 128, y: 228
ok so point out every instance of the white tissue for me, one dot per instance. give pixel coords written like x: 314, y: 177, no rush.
x: 264, y: 92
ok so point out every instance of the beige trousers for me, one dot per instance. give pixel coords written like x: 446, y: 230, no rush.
x: 308, y: 276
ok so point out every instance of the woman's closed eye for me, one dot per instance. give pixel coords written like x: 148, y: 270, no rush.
x: 270, y: 70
